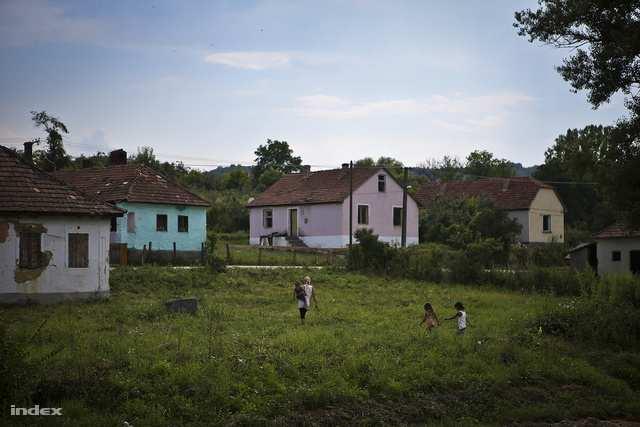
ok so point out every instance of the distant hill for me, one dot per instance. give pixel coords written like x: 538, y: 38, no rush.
x: 221, y: 170
x: 525, y: 171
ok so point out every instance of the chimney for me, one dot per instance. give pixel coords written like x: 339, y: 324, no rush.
x: 345, y: 166
x: 305, y: 169
x: 28, y: 151
x: 118, y: 157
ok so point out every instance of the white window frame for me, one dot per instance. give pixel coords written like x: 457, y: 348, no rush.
x: 358, y: 214
x: 264, y: 217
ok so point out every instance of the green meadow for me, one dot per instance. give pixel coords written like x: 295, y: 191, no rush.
x: 361, y: 358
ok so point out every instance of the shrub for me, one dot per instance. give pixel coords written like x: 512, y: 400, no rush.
x: 606, y: 312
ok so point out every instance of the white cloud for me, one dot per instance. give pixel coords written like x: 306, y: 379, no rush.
x: 251, y: 60
x: 27, y: 22
x: 454, y: 112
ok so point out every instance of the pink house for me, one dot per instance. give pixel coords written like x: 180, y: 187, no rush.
x: 312, y: 208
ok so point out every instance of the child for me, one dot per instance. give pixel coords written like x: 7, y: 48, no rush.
x: 461, y: 315
x: 430, y: 318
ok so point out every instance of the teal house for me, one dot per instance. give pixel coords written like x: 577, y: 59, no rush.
x: 163, y: 221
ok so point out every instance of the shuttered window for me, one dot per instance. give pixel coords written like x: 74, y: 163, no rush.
x: 29, y: 249
x: 161, y: 222
x: 114, y: 224
x: 397, y: 217
x: 131, y: 222
x: 363, y: 214
x: 183, y: 224
x: 78, y: 250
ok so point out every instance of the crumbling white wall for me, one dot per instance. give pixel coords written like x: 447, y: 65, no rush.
x: 56, y: 280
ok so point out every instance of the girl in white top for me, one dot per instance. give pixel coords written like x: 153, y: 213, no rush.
x: 461, y: 315
x: 304, y: 294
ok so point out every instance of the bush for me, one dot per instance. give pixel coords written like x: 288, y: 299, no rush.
x: 542, y: 255
x: 606, y: 312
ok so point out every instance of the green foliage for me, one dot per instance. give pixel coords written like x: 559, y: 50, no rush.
x: 267, y: 178
x: 276, y: 155
x: 482, y: 163
x: 603, y: 60
x: 607, y: 313
x: 395, y: 167
x: 54, y: 157
x: 542, y: 255
x: 243, y: 359
x: 228, y: 211
x: 447, y: 169
x: 369, y: 254
x: 461, y: 222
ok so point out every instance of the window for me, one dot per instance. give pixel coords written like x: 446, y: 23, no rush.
x: 382, y: 183
x: 267, y: 218
x: 29, y: 249
x: 114, y: 224
x: 397, y: 217
x: 616, y: 255
x: 363, y: 214
x: 78, y: 250
x: 161, y: 222
x: 131, y: 222
x: 546, y: 223
x: 183, y: 224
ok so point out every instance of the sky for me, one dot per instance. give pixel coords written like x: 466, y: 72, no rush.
x: 206, y: 82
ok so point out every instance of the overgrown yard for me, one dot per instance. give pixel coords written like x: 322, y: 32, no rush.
x: 244, y: 359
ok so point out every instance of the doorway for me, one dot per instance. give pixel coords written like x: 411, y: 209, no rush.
x: 634, y: 261
x: 293, y: 222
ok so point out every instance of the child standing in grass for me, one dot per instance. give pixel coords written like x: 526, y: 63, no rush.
x: 430, y: 318
x: 461, y: 315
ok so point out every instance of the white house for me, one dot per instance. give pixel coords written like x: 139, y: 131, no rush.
x: 312, y: 209
x: 618, y: 250
x: 54, y: 241
x: 533, y: 204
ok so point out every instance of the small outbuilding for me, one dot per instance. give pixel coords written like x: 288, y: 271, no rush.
x: 54, y: 240
x: 618, y: 250
x: 583, y: 256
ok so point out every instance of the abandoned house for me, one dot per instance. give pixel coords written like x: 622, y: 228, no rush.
x: 312, y: 209
x: 618, y: 249
x: 533, y: 204
x: 54, y: 241
x: 164, y: 222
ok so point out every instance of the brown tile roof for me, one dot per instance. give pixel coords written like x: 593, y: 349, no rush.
x: 130, y: 183
x: 26, y: 189
x: 506, y: 193
x: 328, y: 186
x: 616, y: 230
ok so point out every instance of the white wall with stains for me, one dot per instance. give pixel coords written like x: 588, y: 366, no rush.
x: 56, y: 280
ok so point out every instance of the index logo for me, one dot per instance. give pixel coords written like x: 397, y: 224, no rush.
x: 35, y: 411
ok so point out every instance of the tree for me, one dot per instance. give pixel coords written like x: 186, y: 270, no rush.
x: 394, y: 166
x: 146, y: 157
x: 236, y: 180
x: 268, y: 178
x: 276, y: 155
x: 482, y: 163
x: 602, y: 37
x: 447, y: 169
x: 55, y: 157
x: 460, y: 222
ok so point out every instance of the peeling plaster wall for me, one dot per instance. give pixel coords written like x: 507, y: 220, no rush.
x: 55, y: 280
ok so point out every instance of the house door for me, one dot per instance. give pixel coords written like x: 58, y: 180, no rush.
x: 634, y: 261
x: 293, y: 222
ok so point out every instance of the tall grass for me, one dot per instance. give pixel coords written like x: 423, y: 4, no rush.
x: 244, y: 359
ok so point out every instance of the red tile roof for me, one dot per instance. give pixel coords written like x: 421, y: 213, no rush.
x: 26, y: 189
x: 515, y: 193
x: 130, y: 183
x: 327, y: 186
x: 617, y: 230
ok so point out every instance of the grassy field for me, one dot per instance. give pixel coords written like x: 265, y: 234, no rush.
x: 252, y: 255
x: 244, y: 359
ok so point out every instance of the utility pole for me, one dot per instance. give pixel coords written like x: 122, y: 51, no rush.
x: 404, y: 207
x: 350, y: 204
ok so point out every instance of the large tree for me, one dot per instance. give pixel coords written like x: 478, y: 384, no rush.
x: 276, y: 155
x: 603, y: 41
x: 54, y: 157
x: 482, y: 163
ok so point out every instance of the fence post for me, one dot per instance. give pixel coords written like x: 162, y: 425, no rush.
x: 259, y: 256
x: 228, y: 253
x: 150, y: 256
x: 202, y: 254
x: 294, y: 256
x: 173, y: 255
x: 144, y: 249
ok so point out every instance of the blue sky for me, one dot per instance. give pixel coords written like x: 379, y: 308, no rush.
x: 207, y: 82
